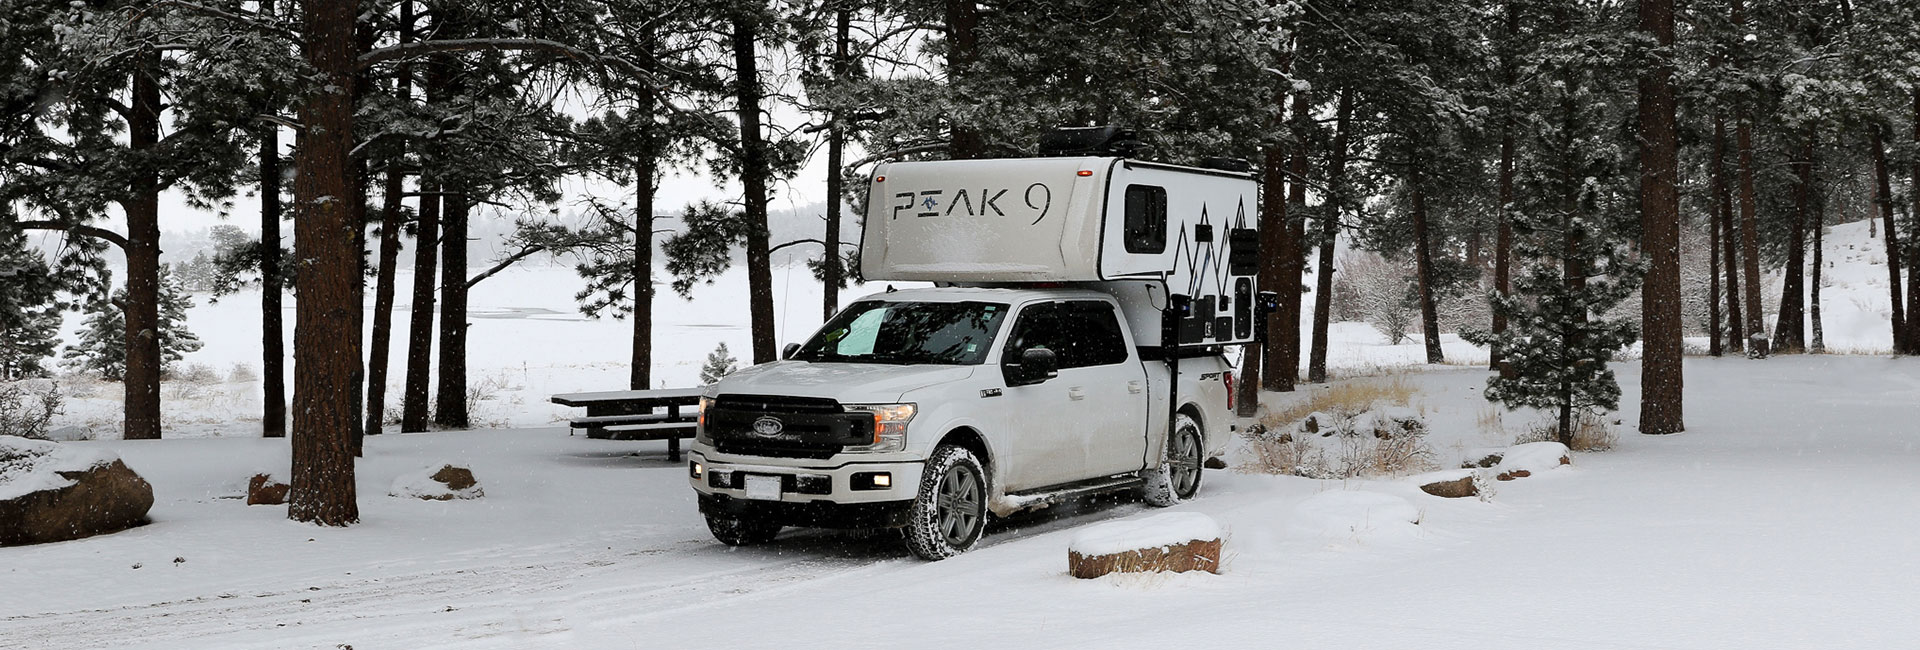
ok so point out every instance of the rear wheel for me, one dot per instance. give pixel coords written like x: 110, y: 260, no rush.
x: 950, y: 512
x: 1178, y: 476
x: 734, y: 531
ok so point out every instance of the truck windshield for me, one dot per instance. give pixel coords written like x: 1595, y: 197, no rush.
x: 951, y: 333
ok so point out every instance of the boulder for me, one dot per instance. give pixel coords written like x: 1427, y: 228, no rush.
x: 1168, y: 542
x: 267, y: 490
x: 51, y: 492
x: 443, y: 483
x: 1457, y: 484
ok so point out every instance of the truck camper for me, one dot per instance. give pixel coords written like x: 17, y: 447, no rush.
x: 1073, y: 344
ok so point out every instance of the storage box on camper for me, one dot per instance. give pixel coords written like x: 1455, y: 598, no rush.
x: 1124, y: 223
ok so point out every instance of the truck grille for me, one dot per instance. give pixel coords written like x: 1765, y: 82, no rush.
x: 813, y: 428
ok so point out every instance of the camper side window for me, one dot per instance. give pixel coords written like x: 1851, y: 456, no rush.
x: 1146, y: 219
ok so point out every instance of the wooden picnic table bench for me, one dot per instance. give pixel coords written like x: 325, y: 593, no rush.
x: 630, y: 414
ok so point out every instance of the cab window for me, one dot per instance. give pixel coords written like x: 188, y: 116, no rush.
x: 1081, y: 333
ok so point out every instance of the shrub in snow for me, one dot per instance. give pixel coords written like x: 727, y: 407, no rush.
x: 1167, y: 542
x: 1346, y: 442
x: 1591, y: 432
x: 443, y: 483
x: 26, y: 407
x: 52, y: 492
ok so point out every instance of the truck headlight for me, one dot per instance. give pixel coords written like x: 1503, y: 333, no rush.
x: 889, y: 426
x: 700, y: 422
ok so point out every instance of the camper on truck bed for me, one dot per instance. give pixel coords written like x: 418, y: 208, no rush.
x: 1074, y: 345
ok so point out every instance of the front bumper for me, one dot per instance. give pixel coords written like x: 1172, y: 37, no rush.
x: 807, y: 481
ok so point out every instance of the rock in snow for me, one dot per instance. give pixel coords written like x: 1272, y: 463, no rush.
x: 266, y: 489
x: 1172, y: 542
x: 51, y: 492
x: 1452, y: 484
x: 1532, y: 458
x: 443, y: 483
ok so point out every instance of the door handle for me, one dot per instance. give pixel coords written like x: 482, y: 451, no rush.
x: 1133, y: 387
x: 1076, y: 393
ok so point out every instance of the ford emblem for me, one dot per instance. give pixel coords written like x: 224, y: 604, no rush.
x: 768, y: 426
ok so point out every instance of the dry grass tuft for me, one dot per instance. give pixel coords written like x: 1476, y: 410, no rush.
x: 1351, y: 396
x: 1591, y: 432
x: 1355, y: 432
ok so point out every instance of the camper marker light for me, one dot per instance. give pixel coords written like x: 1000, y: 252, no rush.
x: 879, y: 179
x: 1084, y: 173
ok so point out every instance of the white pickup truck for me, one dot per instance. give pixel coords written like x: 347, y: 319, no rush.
x: 1031, y: 375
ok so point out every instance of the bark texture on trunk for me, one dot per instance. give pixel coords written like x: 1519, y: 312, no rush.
x: 1296, y: 254
x: 325, y: 238
x: 141, y: 407
x: 1818, y: 342
x: 414, y: 413
x: 1883, y: 201
x: 1275, y: 243
x: 646, y: 174
x: 1337, y: 203
x: 1790, y: 332
x: 1729, y: 239
x: 450, y: 394
x: 1713, y: 287
x: 1749, y: 223
x: 382, y: 334
x: 1423, y: 268
x: 836, y: 152
x: 1661, y: 326
x: 755, y: 175
x: 273, y: 351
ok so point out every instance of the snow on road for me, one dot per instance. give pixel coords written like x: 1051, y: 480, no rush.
x: 1782, y: 519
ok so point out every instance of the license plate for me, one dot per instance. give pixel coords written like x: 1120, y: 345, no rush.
x: 763, y: 487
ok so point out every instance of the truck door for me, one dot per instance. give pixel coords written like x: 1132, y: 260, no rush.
x: 1110, y: 390
x: 1088, y: 419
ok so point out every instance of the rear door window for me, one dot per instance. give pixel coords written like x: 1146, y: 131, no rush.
x: 1081, y: 333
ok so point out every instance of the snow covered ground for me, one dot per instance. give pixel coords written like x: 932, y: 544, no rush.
x: 1782, y: 519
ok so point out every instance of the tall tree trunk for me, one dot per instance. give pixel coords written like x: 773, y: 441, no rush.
x: 1296, y: 254
x: 1913, y: 231
x: 646, y: 174
x: 323, y: 488
x: 1790, y: 332
x: 383, y: 297
x: 1749, y: 223
x: 1337, y: 199
x: 1275, y: 243
x: 755, y: 174
x: 141, y: 381
x: 641, y: 375
x: 1883, y: 201
x: 1661, y: 371
x: 414, y: 414
x: 1729, y: 240
x: 273, y: 352
x: 450, y: 397
x: 836, y: 151
x: 1573, y: 275
x: 1503, y: 236
x: 1423, y: 266
x: 963, y: 21
x: 1713, y: 286
x: 1819, y: 342
x: 390, y: 215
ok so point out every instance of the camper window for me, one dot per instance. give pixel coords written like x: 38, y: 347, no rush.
x: 1146, y: 219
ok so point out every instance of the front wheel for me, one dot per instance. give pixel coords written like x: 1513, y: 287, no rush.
x: 1177, y: 477
x: 742, y: 531
x: 950, y: 512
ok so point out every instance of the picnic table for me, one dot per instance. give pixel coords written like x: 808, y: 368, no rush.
x: 630, y: 414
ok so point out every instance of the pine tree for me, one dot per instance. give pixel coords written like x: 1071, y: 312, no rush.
x: 102, y: 347
x: 719, y: 364
x: 29, y: 316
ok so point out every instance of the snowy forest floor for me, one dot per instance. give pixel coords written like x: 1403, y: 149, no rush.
x: 1781, y: 519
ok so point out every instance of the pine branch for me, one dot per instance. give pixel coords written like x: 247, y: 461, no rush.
x: 102, y: 234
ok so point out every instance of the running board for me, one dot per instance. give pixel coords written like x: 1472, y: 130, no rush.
x: 1018, y: 502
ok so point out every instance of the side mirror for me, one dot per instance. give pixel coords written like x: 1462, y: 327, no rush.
x: 787, y: 352
x: 1036, y: 365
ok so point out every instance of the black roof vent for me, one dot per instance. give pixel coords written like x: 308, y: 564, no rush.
x: 1093, y: 141
x: 1236, y: 165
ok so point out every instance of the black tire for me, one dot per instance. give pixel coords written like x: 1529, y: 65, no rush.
x: 949, y: 514
x: 1177, y: 478
x: 742, y: 532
